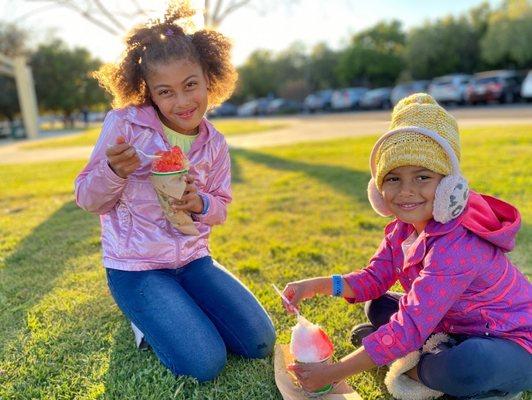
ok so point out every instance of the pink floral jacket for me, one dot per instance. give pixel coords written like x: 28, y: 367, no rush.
x: 456, y: 277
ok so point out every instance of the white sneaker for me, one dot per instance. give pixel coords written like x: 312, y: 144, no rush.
x: 140, y: 340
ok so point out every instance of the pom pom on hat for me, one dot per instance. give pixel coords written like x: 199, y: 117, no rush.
x: 411, y: 148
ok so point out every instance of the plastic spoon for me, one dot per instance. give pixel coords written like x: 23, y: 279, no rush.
x: 153, y: 156
x: 285, y: 299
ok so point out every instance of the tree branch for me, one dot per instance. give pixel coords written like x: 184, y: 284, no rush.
x: 110, y: 16
x: 140, y: 9
x: 207, y: 13
x: 36, y: 11
x: 233, y: 6
x: 84, y: 13
x: 216, y: 12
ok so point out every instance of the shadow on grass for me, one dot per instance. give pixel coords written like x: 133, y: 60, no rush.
x: 236, y: 169
x: 348, y: 181
x: 134, y: 374
x: 31, y: 270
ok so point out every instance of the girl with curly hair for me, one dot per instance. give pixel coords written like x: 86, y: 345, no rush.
x: 183, y: 304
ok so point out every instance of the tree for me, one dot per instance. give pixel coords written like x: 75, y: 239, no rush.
x: 445, y: 46
x: 284, y: 74
x: 323, y: 63
x: 113, y: 16
x: 257, y: 77
x: 479, y: 18
x: 508, y: 39
x: 62, y: 78
x: 374, y: 56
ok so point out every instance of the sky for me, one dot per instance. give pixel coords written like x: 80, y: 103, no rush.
x: 270, y: 24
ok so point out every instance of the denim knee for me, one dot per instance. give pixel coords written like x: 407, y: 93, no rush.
x: 477, y: 373
x: 466, y: 371
x: 263, y: 346
x: 204, y: 364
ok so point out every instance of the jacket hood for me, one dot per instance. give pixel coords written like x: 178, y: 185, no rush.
x: 487, y: 217
x: 492, y: 219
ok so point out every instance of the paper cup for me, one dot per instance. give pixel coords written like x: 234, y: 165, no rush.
x: 170, y: 187
x: 323, y: 390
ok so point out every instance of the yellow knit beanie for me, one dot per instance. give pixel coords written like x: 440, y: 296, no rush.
x: 410, y: 148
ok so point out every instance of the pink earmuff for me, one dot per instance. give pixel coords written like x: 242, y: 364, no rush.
x: 452, y: 191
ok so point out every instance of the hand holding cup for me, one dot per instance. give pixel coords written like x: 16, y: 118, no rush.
x: 191, y: 201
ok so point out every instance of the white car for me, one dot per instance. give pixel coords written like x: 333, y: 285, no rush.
x: 406, y: 89
x: 347, y: 99
x: 526, y: 87
x: 450, y: 88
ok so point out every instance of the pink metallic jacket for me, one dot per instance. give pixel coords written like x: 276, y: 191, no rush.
x: 456, y: 277
x: 135, y: 234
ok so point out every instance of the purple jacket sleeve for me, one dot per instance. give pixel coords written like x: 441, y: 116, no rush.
x: 374, y: 280
x: 217, y: 189
x: 440, y: 283
x: 97, y: 187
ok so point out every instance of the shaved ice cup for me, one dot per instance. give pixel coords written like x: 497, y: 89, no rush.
x: 170, y: 187
x: 323, y: 390
x: 315, y: 333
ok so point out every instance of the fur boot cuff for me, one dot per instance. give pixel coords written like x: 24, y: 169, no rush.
x: 400, y: 385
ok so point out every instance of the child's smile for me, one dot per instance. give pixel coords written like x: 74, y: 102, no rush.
x: 179, y: 90
x: 410, y: 206
x: 409, y: 194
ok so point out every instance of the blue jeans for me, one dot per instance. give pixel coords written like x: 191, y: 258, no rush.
x: 191, y: 316
x: 472, y: 366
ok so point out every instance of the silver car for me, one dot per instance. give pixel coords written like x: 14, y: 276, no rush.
x: 406, y: 89
x: 450, y: 88
x: 347, y: 99
x: 526, y: 87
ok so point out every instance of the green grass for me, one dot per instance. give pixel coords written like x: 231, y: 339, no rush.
x: 298, y: 211
x: 229, y: 127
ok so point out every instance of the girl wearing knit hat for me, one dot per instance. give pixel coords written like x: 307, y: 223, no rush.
x: 464, y: 325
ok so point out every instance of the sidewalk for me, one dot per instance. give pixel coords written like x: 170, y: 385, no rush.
x: 304, y: 129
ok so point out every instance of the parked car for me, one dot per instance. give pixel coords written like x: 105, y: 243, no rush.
x: 406, y: 89
x: 14, y: 129
x: 5, y: 129
x: 254, y: 107
x: 450, y: 88
x: 284, y: 106
x: 503, y: 86
x: 377, y: 98
x: 347, y: 99
x: 319, y: 101
x: 526, y: 87
x: 225, y: 109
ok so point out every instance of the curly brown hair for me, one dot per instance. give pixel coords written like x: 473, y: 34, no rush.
x: 161, y: 41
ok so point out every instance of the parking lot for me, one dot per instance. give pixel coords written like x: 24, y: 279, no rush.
x: 298, y: 129
x: 324, y: 126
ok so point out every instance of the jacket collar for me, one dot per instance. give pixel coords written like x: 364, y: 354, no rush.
x: 146, y: 116
x: 399, y: 231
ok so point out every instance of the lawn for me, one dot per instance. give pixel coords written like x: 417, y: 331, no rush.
x: 298, y: 211
x: 229, y: 127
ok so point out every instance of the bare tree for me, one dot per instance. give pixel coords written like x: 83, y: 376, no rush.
x: 113, y: 17
x: 110, y: 16
x: 215, y: 12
